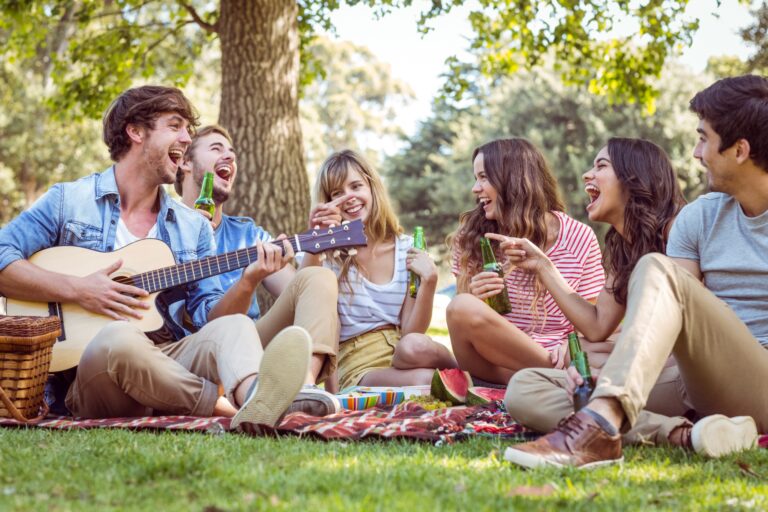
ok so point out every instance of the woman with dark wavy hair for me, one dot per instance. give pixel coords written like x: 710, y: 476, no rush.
x: 516, y: 197
x: 633, y: 187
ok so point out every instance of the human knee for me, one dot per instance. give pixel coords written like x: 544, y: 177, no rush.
x: 231, y: 329
x: 117, y: 342
x: 463, y: 309
x: 521, y: 396
x: 653, y: 262
x: 415, y: 347
x: 319, y: 277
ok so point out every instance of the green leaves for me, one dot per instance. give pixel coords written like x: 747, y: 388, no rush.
x: 582, y: 39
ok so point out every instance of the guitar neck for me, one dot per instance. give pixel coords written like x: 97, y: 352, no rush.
x: 176, y: 275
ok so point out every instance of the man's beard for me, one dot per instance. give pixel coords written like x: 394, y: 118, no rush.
x: 155, y: 160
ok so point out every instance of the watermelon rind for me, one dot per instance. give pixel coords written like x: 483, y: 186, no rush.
x: 456, y: 393
x: 480, y: 395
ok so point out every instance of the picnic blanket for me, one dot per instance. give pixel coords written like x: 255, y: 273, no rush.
x: 407, y: 420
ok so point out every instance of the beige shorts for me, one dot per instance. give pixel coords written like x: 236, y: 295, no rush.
x: 361, y: 354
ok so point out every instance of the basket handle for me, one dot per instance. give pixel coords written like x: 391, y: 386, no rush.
x: 15, y: 412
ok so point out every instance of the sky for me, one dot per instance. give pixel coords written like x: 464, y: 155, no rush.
x: 419, y: 61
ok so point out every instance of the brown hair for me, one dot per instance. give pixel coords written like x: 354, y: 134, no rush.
x: 189, y: 156
x: 381, y: 223
x: 737, y: 108
x: 526, y: 190
x: 654, y: 198
x: 142, y: 106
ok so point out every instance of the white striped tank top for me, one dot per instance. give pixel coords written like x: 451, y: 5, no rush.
x: 372, y: 305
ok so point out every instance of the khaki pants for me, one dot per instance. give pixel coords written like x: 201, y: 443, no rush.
x: 123, y: 373
x: 309, y: 301
x: 537, y: 398
x: 723, y: 367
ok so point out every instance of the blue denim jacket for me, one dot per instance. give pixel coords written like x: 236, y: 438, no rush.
x: 84, y: 213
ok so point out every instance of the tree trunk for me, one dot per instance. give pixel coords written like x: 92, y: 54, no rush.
x: 260, y: 106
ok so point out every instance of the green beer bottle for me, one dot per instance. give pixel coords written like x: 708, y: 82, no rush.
x: 418, y: 243
x: 500, y: 302
x: 580, y: 360
x: 205, y: 201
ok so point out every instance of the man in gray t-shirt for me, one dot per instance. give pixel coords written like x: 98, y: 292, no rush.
x: 731, y: 251
x: 704, y: 303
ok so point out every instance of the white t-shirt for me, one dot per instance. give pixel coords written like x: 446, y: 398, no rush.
x: 124, y: 237
x: 732, y: 251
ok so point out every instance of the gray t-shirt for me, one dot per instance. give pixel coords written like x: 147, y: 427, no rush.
x: 732, y: 251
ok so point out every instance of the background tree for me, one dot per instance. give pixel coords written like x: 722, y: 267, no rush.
x: 110, y: 44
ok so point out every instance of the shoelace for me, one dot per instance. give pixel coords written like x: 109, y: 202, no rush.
x: 570, y: 426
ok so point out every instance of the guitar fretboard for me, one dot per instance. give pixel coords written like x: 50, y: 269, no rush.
x: 175, y: 275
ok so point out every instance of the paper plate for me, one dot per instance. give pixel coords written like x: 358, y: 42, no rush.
x: 358, y: 401
x: 387, y: 396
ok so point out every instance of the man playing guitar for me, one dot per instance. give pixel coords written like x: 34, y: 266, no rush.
x: 123, y: 371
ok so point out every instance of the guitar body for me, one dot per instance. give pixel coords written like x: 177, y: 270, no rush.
x: 149, y: 264
x: 80, y: 326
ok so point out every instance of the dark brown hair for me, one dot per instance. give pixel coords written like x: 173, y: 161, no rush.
x: 142, y: 106
x: 653, y: 196
x: 737, y: 108
x: 526, y: 191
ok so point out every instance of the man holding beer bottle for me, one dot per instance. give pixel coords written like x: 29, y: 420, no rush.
x: 306, y: 298
x: 124, y: 371
x: 704, y: 303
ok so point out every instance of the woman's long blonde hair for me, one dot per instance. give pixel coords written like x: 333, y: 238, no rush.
x: 381, y: 223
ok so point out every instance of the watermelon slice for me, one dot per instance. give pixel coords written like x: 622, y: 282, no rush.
x: 451, y: 385
x: 479, y: 396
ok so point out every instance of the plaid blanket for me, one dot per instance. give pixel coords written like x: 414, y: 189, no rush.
x: 407, y: 420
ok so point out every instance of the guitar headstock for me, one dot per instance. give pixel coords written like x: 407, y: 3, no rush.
x: 314, y: 241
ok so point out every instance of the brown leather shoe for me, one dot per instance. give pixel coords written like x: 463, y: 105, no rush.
x: 577, y: 441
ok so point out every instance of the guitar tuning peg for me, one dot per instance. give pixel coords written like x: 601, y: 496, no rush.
x: 323, y: 256
x: 316, y: 227
x: 344, y: 222
x: 336, y: 253
x: 352, y: 251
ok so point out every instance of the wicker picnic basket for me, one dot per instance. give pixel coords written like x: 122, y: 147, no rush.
x: 25, y: 357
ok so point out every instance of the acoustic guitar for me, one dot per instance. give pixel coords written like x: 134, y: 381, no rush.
x: 149, y: 264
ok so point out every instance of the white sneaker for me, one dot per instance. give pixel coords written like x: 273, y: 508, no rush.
x: 315, y: 401
x: 282, y: 372
x: 718, y: 435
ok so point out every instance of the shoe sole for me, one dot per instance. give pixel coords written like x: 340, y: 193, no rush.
x: 718, y: 435
x: 531, y: 461
x: 282, y: 373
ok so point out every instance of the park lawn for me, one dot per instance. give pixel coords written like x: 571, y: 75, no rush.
x: 123, y: 470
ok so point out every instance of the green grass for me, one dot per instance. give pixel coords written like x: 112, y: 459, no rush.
x: 437, y: 331
x: 122, y: 470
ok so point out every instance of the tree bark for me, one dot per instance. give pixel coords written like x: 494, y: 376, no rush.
x: 260, y: 106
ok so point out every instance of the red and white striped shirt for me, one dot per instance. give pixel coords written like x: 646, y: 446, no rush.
x: 576, y: 254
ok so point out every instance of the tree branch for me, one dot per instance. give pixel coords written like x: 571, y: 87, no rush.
x: 208, y: 27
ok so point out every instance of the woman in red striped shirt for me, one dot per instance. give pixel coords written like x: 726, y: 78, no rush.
x: 516, y: 197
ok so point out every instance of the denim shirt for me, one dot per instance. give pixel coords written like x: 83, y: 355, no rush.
x: 84, y: 213
x: 232, y: 234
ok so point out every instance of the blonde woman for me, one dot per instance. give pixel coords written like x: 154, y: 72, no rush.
x: 382, y: 340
